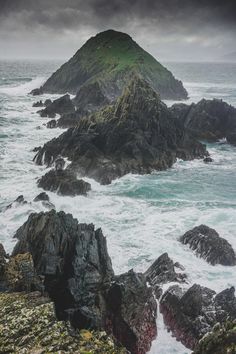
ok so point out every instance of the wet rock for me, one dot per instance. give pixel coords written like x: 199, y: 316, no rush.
x: 32, y: 327
x: 209, y: 120
x: 37, y: 148
x: 61, y: 105
x: 52, y: 124
x: 64, y: 182
x: 163, y: 271
x: 47, y: 102
x: 192, y: 313
x: 59, y: 163
x: 41, y: 197
x: 207, y: 243
x: 137, y: 134
x: 37, y: 91
x: 69, y: 120
x: 3, y: 258
x: 19, y: 200
x: 38, y: 104
x: 208, y: 159
x: 132, y: 312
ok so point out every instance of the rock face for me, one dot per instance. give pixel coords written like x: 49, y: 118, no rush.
x: 29, y: 325
x: 74, y: 262
x: 59, y: 106
x: 221, y: 340
x: 191, y: 314
x: 208, y: 120
x: 38, y: 104
x: 132, y: 323
x: 137, y: 134
x: 163, y: 271
x: 107, y: 60
x: 64, y: 182
x: 207, y: 243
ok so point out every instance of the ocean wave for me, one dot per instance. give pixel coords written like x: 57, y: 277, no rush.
x: 22, y: 89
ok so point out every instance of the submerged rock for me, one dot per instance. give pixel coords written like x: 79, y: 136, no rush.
x: 133, y: 312
x: 193, y: 313
x: 19, y: 200
x: 64, y: 182
x: 207, y: 243
x: 29, y: 325
x: 137, y: 134
x: 58, y: 106
x: 208, y: 159
x: 163, y: 271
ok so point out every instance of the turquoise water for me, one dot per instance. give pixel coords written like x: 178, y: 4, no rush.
x: 142, y: 216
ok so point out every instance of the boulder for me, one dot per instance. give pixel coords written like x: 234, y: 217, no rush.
x: 59, y: 106
x: 137, y: 134
x: 37, y: 91
x: 208, y: 159
x: 133, y: 312
x: 47, y: 102
x: 207, y: 244
x: 41, y: 197
x: 192, y: 313
x: 52, y: 124
x: 64, y: 182
x: 163, y: 271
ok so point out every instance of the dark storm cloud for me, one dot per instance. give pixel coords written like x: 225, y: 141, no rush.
x: 199, y: 23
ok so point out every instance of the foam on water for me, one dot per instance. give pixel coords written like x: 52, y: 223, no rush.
x: 142, y: 216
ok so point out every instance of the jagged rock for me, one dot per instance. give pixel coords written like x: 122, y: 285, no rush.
x: 59, y: 163
x: 42, y: 197
x: 69, y: 120
x: 64, y: 182
x: 47, y: 102
x: 208, y: 159
x: 193, y: 313
x: 108, y: 59
x: 78, y: 276
x: 132, y: 312
x: 19, y: 200
x: 59, y: 106
x: 29, y: 325
x: 207, y: 243
x: 162, y: 271
x: 38, y: 104
x: 209, y: 120
x: 137, y: 134
x: 36, y: 149
x: 221, y: 340
x: 37, y: 91
x: 52, y: 124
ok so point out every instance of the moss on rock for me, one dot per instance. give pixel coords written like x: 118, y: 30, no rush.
x: 28, y: 325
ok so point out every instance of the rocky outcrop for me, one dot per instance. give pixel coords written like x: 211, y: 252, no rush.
x: 208, y: 120
x: 61, y: 105
x: 222, y: 339
x: 137, y: 134
x: 20, y: 200
x: 64, y: 182
x: 107, y: 60
x: 52, y: 124
x: 163, y: 271
x: 29, y: 325
x: 38, y: 104
x: 193, y: 313
x: 73, y: 260
x: 207, y: 243
x: 132, y: 309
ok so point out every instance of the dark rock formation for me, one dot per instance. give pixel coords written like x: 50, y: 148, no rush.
x: 41, y: 197
x: 220, y: 341
x: 52, y: 124
x: 38, y: 104
x: 208, y: 120
x: 47, y: 102
x: 208, y: 159
x: 3, y: 258
x: 37, y: 148
x: 191, y: 314
x: 209, y: 245
x: 133, y: 323
x: 108, y: 59
x: 37, y: 91
x: 137, y: 134
x: 163, y: 271
x: 59, y: 106
x: 59, y: 163
x: 78, y: 276
x: 64, y: 182
x: 19, y: 200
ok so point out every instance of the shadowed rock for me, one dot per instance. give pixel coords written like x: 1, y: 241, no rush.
x: 137, y: 134
x: 64, y: 182
x: 193, y: 313
x: 38, y: 104
x: 207, y: 243
x: 59, y: 106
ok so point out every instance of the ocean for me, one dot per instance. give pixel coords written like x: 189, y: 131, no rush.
x: 141, y: 216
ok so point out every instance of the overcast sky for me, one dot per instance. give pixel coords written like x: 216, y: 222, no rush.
x: 169, y: 29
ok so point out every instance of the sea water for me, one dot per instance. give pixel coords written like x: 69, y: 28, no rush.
x: 141, y: 216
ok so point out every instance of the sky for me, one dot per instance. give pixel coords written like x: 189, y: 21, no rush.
x: 171, y: 30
